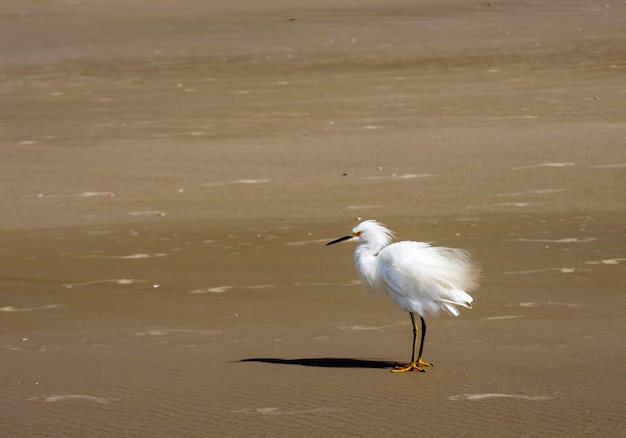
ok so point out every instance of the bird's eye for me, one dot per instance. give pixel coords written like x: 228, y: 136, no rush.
x: 357, y: 234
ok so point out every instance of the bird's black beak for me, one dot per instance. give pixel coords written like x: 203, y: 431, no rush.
x: 341, y: 239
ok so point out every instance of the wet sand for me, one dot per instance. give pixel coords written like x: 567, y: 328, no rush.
x: 170, y: 174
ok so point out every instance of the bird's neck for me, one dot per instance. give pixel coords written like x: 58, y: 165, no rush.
x: 367, y: 265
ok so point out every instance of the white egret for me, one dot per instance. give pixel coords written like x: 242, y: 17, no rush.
x: 420, y: 278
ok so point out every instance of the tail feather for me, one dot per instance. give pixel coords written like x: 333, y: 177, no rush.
x: 466, y: 304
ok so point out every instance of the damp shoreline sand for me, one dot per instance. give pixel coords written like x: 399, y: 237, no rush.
x: 169, y: 177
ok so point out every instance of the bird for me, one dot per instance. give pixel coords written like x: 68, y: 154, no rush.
x: 422, y: 279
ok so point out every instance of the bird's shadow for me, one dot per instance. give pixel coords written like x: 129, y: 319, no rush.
x: 325, y: 362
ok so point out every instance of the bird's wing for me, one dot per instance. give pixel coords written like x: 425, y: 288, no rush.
x: 426, y: 279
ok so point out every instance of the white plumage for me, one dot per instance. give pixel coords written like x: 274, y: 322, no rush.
x: 420, y: 278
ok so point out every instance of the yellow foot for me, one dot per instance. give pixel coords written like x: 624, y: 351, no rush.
x: 414, y: 366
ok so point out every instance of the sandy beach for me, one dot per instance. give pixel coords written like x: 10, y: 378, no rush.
x: 171, y: 171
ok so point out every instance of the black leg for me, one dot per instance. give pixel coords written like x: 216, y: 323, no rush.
x: 419, y: 358
x: 414, y: 338
x: 415, y: 363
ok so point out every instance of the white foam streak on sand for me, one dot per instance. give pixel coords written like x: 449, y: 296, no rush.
x: 76, y: 195
x: 362, y: 327
x: 565, y: 240
x: 545, y: 165
x: 260, y: 286
x: 362, y: 207
x: 237, y: 181
x: 147, y: 213
x: 120, y: 281
x: 543, y: 303
x: 616, y: 261
x: 510, y: 204
x: 405, y: 176
x: 165, y: 332
x: 486, y: 396
x: 609, y: 166
x: 74, y: 397
x: 128, y: 257
x: 537, y: 271
x: 211, y: 290
x: 532, y: 192
x: 142, y: 256
x: 28, y: 309
x: 277, y: 411
x: 222, y: 289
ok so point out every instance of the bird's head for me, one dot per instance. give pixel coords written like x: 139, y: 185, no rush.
x: 370, y: 232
